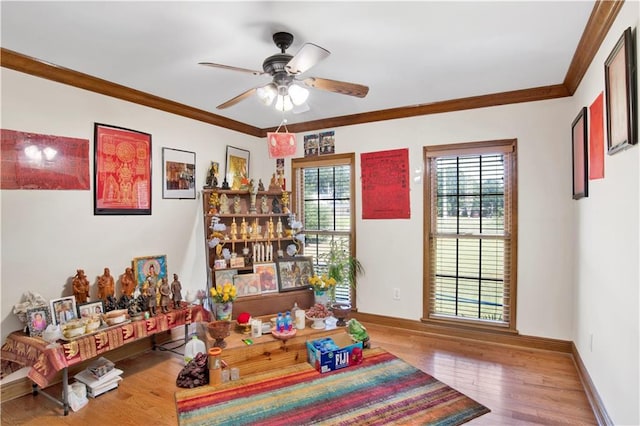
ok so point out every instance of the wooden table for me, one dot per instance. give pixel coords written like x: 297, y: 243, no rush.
x: 46, y: 360
x: 267, y: 352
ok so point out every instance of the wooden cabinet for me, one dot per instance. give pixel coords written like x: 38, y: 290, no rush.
x: 253, y: 227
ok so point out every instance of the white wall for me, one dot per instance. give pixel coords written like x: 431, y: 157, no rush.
x: 607, y: 280
x: 47, y: 235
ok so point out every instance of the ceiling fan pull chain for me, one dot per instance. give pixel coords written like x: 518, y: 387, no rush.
x: 283, y: 122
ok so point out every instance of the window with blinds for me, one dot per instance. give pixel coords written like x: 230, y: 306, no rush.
x: 323, y: 198
x: 470, y: 217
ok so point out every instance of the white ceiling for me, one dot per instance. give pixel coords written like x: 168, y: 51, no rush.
x: 408, y: 53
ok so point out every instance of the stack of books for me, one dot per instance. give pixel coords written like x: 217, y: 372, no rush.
x: 100, y: 377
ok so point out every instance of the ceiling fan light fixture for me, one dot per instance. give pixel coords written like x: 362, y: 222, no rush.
x: 298, y: 94
x: 283, y: 103
x: 267, y: 93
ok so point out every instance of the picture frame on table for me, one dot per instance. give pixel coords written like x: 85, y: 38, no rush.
x: 620, y: 92
x: 38, y: 319
x: 268, y: 273
x: 579, y: 149
x: 122, y: 171
x: 294, y: 273
x: 178, y: 174
x: 247, y: 284
x: 222, y: 276
x: 87, y: 310
x: 237, y: 167
x: 150, y: 269
x: 63, y: 310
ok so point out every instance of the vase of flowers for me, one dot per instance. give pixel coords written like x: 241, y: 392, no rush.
x: 323, y: 286
x: 223, y: 297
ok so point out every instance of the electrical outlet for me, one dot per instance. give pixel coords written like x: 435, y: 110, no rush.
x: 396, y: 293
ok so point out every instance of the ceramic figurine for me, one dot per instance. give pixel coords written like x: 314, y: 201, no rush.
x: 165, y: 295
x: 152, y: 303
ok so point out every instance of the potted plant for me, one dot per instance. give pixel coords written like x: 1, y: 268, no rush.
x: 341, y: 266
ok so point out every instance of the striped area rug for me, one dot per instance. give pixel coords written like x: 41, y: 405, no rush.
x: 382, y: 390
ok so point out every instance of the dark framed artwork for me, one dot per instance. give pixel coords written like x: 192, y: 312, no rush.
x: 620, y: 91
x: 150, y: 269
x: 579, y: 148
x: 178, y: 174
x: 294, y: 273
x: 38, y: 319
x: 268, y: 273
x: 122, y: 171
x: 237, y: 173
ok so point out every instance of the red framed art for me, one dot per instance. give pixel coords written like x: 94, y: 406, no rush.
x: 122, y: 171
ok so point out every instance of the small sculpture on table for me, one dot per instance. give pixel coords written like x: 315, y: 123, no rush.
x: 151, y: 300
x: 176, y: 291
x: 106, y: 285
x: 128, y: 282
x: 165, y: 295
x: 80, y: 286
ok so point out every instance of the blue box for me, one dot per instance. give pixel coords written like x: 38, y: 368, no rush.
x: 330, y: 354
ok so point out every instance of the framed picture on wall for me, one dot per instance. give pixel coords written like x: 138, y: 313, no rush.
x: 122, y: 171
x: 579, y: 147
x: 620, y: 91
x: 178, y: 174
x: 237, y: 172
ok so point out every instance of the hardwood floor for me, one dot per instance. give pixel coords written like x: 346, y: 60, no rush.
x: 520, y: 386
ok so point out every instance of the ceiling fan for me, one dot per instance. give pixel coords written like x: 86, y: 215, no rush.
x: 286, y: 71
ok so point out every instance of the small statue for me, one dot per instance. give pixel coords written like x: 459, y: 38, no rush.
x: 81, y: 287
x: 106, y: 285
x: 275, y: 206
x: 233, y: 234
x: 263, y: 205
x: 151, y: 301
x: 236, y: 204
x: 273, y: 185
x: 243, y: 229
x: 214, y: 202
x: 260, y: 185
x: 225, y: 184
x: 224, y: 204
x: 165, y: 295
x: 212, y: 176
x: 279, y: 228
x: 127, y: 282
x: 176, y: 291
x: 270, y: 228
x: 285, y: 202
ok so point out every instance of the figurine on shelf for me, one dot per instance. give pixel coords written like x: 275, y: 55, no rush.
x: 128, y: 282
x: 212, y: 176
x: 81, y: 287
x: 165, y: 295
x: 260, y: 185
x: 263, y: 205
x: 271, y: 235
x: 275, y: 206
x: 151, y: 301
x: 225, y: 184
x: 273, y: 185
x: 236, y: 204
x: 214, y: 202
x: 106, y: 285
x: 243, y: 229
x: 279, y: 228
x: 233, y: 234
x: 176, y: 291
x: 224, y: 204
x: 285, y: 202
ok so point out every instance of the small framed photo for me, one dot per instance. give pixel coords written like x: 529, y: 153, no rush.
x: 150, y: 269
x: 122, y: 171
x: 39, y: 319
x: 237, y: 172
x: 311, y: 145
x: 225, y: 276
x: 579, y: 147
x: 327, y: 143
x: 178, y: 174
x: 87, y: 310
x: 620, y: 91
x: 63, y: 310
x: 247, y: 284
x: 294, y: 273
x: 268, y: 274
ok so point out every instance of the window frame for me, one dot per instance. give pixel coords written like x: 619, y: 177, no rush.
x: 332, y: 160
x: 506, y: 146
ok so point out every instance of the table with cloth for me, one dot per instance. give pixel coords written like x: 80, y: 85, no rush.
x: 46, y: 360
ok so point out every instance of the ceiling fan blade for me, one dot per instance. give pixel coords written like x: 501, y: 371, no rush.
x: 229, y: 67
x: 341, y: 87
x: 240, y: 97
x: 308, y: 55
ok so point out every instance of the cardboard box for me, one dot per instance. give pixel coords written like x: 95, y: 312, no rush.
x: 333, y: 353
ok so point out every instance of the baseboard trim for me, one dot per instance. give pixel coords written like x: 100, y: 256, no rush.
x: 599, y: 411
x: 530, y: 342
x: 22, y: 386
